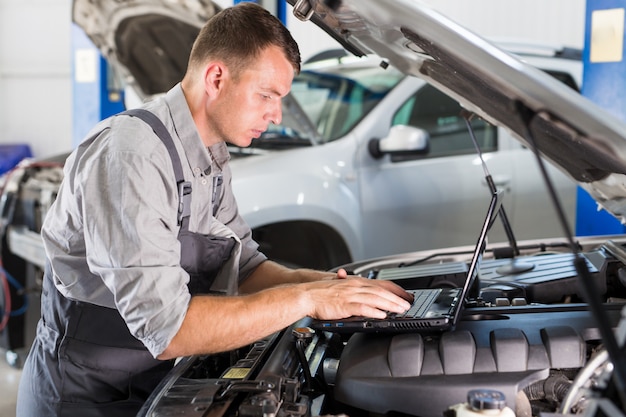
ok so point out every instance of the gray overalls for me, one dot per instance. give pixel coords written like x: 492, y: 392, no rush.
x: 84, y: 361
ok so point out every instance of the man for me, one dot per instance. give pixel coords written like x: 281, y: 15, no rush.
x: 144, y: 266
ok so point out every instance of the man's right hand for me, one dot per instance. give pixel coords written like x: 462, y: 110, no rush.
x: 355, y: 296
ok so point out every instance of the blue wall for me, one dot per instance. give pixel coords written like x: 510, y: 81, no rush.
x: 94, y: 97
x: 604, y: 82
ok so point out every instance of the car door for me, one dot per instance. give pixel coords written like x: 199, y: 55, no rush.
x: 437, y: 199
x: 415, y: 202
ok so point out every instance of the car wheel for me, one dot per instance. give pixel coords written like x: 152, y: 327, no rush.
x: 302, y: 244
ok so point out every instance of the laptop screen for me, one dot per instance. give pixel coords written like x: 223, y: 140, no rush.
x: 479, y: 250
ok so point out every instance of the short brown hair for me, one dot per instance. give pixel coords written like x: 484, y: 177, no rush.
x: 237, y: 35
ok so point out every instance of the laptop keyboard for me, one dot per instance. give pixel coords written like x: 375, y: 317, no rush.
x: 422, y: 301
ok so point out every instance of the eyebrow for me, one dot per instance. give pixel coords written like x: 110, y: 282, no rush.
x: 273, y: 91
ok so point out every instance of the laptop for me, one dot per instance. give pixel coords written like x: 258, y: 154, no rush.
x: 433, y: 309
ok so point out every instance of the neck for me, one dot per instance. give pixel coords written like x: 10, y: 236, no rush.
x: 196, y: 100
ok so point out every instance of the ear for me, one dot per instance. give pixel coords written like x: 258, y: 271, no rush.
x: 215, y: 74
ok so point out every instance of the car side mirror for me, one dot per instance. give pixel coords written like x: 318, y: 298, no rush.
x: 401, y: 139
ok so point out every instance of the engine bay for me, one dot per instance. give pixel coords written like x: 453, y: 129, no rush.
x: 530, y: 336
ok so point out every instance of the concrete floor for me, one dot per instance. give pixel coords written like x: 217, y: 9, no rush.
x: 9, y: 380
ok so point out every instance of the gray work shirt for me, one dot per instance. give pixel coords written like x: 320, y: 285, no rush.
x: 111, y: 235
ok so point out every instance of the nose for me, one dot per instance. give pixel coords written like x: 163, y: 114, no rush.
x: 276, y: 113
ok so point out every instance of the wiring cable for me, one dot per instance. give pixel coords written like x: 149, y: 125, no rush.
x: 7, y: 281
x: 20, y: 289
x: 7, y: 301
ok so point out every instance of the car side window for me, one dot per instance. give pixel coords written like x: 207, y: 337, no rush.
x: 439, y: 115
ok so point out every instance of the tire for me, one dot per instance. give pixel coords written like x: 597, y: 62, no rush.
x: 302, y: 245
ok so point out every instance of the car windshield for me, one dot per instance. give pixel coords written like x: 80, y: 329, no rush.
x: 335, y: 101
x: 327, y: 101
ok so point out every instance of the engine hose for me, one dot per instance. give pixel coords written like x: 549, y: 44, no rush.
x: 554, y: 388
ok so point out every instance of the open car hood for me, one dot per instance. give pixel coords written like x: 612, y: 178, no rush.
x: 575, y: 134
x: 147, y: 41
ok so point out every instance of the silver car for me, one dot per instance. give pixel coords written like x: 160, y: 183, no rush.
x: 386, y: 165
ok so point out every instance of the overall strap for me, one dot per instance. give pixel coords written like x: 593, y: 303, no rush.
x: 184, y: 187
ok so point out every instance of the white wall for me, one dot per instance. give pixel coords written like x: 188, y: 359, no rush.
x: 553, y: 21
x: 35, y: 55
x: 35, y: 74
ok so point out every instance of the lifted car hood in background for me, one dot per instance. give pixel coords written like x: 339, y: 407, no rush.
x: 583, y: 139
x: 148, y: 41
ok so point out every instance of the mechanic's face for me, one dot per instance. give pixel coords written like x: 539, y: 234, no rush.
x: 246, y: 106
